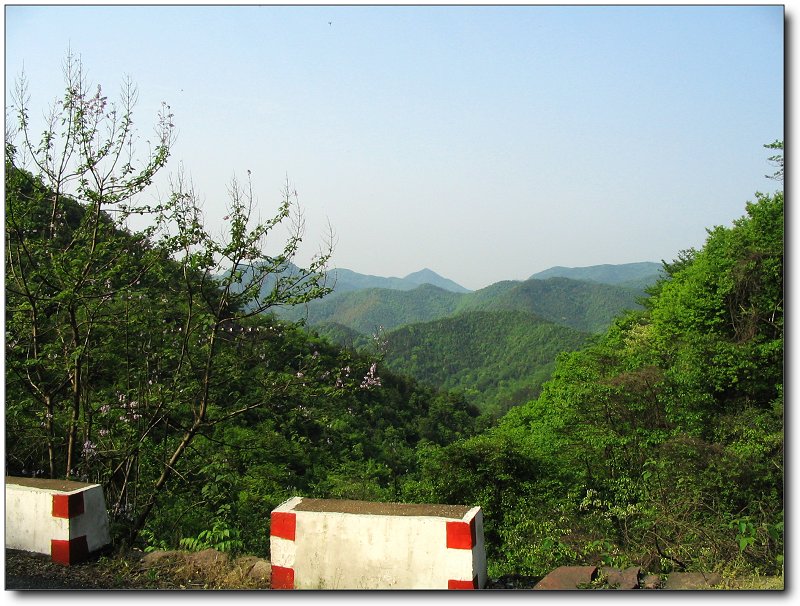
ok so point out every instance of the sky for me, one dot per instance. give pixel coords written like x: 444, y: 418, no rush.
x: 486, y: 143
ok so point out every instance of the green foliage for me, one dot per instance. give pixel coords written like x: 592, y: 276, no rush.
x: 499, y: 359
x: 220, y: 536
x: 149, y: 362
x: 365, y: 310
x: 583, y: 306
x: 661, y: 441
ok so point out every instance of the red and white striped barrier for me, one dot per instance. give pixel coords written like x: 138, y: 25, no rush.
x: 67, y: 520
x: 332, y: 544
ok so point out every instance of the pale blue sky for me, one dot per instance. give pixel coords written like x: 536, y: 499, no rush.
x: 483, y: 142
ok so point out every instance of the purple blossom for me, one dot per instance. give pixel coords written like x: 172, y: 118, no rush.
x: 89, y: 449
x: 371, y: 379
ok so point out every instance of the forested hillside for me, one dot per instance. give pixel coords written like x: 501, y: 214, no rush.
x: 150, y: 362
x: 584, y: 306
x: 660, y: 443
x: 496, y: 345
x: 286, y: 413
x: 645, y: 272
x: 367, y: 310
x: 344, y: 280
x: 498, y: 359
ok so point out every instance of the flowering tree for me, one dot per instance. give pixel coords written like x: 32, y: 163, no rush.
x: 122, y: 347
x: 65, y: 263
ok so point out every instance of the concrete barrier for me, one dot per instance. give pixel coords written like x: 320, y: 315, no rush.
x: 66, y: 520
x: 339, y: 544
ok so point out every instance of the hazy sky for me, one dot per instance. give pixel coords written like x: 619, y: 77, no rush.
x: 483, y: 142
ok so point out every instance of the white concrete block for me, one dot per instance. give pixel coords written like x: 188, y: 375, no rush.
x: 66, y: 520
x: 332, y: 544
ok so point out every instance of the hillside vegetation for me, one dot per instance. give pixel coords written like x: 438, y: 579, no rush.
x: 344, y: 280
x: 659, y: 443
x: 584, y: 306
x: 287, y: 413
x: 498, y: 359
x: 153, y: 363
x: 645, y: 272
x: 367, y: 310
x: 496, y: 345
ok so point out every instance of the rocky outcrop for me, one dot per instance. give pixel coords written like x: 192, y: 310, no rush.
x: 567, y: 578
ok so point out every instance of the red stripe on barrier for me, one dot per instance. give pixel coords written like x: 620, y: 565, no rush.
x: 67, y: 505
x: 461, y: 535
x: 453, y: 584
x: 283, y: 524
x: 282, y: 578
x: 69, y: 552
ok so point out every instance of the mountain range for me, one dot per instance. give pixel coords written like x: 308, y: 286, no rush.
x: 496, y: 345
x: 587, y: 304
x: 346, y: 280
x: 631, y: 275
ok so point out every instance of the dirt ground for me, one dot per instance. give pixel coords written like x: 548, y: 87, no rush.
x: 172, y: 570
x: 168, y: 570
x: 209, y: 569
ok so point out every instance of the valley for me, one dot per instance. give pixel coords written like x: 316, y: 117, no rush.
x: 496, y: 345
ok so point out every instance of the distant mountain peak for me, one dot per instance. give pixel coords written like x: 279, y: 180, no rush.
x: 428, y: 276
x: 624, y: 273
x: 348, y: 280
x: 422, y: 273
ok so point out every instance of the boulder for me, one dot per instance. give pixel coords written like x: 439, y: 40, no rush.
x: 650, y: 581
x: 154, y: 558
x: 568, y: 577
x: 261, y: 571
x: 207, y: 558
x: 692, y: 580
x: 622, y: 579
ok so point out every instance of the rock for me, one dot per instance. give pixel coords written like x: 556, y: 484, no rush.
x: 622, y: 579
x: 568, y: 577
x: 261, y: 571
x: 692, y: 580
x: 245, y: 562
x: 650, y: 581
x: 149, y: 560
x: 208, y: 557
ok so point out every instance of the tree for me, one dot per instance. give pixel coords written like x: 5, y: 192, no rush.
x: 776, y: 160
x: 66, y: 262
x: 223, y: 287
x: 129, y: 343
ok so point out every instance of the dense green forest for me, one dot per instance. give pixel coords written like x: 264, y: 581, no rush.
x: 496, y: 345
x: 584, y: 306
x: 497, y: 359
x: 367, y: 310
x: 660, y: 443
x: 152, y: 362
